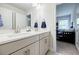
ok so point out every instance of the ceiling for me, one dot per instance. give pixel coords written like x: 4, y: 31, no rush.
x: 23, y: 6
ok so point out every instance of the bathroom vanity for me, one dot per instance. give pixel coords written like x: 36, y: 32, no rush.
x: 26, y: 43
x: 14, y: 38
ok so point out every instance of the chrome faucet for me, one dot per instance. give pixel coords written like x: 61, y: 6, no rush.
x: 17, y: 29
x: 28, y: 28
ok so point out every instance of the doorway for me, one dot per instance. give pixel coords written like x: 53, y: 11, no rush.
x: 66, y: 34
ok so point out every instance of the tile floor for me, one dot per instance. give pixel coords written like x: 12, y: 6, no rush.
x: 64, y: 48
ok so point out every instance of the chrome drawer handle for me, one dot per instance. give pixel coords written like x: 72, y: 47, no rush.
x: 27, y: 52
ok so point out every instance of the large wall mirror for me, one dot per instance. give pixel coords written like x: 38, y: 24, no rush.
x: 15, y: 15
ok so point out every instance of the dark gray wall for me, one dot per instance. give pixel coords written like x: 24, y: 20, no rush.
x: 68, y: 9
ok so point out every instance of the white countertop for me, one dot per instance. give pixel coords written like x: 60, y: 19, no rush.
x: 9, y: 37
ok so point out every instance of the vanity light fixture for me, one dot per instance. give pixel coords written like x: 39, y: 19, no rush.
x: 37, y: 5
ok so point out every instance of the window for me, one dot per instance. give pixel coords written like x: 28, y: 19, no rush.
x: 77, y: 21
x: 63, y: 24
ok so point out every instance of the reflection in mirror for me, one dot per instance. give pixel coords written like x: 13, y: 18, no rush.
x: 13, y: 20
x: 14, y: 15
x: 5, y: 18
x: 21, y: 20
x: 29, y: 20
x: 28, y: 28
x: 1, y: 21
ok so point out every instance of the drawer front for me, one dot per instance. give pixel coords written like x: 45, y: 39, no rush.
x: 11, y: 47
x: 29, y: 50
x: 44, y: 35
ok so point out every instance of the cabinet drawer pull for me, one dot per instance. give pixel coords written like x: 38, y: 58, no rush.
x: 27, y: 52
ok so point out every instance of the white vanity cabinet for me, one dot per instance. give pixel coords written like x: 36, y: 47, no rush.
x: 33, y: 45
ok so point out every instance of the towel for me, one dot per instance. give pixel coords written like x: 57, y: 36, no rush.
x: 43, y: 24
x: 36, y: 25
x: 1, y: 22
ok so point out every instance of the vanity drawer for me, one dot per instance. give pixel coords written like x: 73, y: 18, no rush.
x: 44, y: 35
x: 29, y: 50
x: 13, y: 46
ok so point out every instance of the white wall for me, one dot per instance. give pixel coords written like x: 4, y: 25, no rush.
x: 51, y: 14
x: 47, y: 11
x: 38, y: 14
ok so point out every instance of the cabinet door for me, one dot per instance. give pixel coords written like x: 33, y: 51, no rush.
x: 36, y: 48
x: 42, y: 46
x: 26, y: 51
x: 46, y: 44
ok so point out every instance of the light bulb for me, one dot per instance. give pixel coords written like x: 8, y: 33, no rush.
x: 37, y: 5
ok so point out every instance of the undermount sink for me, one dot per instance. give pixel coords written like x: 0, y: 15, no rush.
x: 18, y: 34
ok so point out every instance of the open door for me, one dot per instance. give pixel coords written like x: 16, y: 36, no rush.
x: 77, y: 32
x: 77, y: 26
